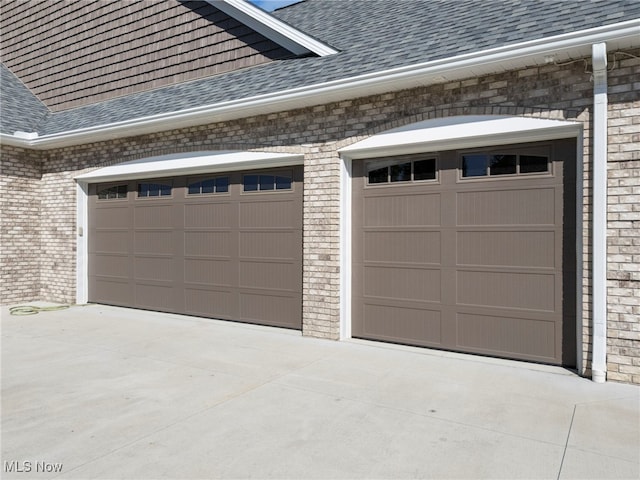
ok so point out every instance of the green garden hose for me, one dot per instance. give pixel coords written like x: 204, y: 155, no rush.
x: 32, y: 310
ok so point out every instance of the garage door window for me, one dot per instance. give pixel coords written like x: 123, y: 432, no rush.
x: 401, y: 170
x: 262, y: 183
x: 209, y: 185
x: 533, y: 164
x: 154, y: 190
x: 113, y: 192
x: 496, y: 164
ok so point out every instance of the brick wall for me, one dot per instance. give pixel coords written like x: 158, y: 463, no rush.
x: 57, y: 238
x: 20, y: 258
x: 550, y: 91
x: 321, y: 243
x: 623, y: 214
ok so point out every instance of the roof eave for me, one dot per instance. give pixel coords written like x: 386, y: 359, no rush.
x: 538, y: 52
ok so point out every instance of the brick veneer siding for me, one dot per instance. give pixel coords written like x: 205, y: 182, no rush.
x: 623, y: 215
x: 20, y: 256
x: 550, y: 91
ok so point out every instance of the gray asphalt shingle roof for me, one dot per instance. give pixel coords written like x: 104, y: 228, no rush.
x: 19, y: 108
x: 372, y: 35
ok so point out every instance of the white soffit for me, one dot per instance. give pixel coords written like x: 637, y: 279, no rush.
x: 460, y: 132
x: 191, y: 163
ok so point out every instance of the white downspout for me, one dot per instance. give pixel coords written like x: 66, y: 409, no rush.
x: 599, y: 225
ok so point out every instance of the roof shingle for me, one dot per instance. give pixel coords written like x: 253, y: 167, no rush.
x: 20, y: 110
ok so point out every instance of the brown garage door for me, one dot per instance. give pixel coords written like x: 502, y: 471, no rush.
x: 471, y: 251
x: 225, y: 245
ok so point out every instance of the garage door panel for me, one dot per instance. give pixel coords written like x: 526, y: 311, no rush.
x: 116, y: 266
x: 207, y: 244
x: 402, y: 324
x: 208, y: 215
x: 156, y: 297
x: 269, y: 275
x: 402, y: 246
x: 208, y: 271
x: 400, y: 282
x: 210, y: 303
x: 402, y: 210
x: 153, y: 216
x: 507, y: 207
x: 154, y: 268
x: 268, y: 213
x: 114, y: 216
x: 155, y: 241
x: 112, y: 291
x: 273, y: 309
x: 522, y: 337
x: 528, y: 291
x: 269, y: 245
x: 111, y: 241
x: 510, y: 248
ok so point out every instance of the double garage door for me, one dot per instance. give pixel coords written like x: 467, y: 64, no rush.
x: 224, y: 246
x: 472, y: 251
x: 464, y: 250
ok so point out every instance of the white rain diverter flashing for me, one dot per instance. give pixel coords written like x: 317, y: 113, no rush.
x: 191, y: 163
x: 460, y: 132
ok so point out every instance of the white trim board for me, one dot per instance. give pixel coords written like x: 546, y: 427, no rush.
x: 460, y: 132
x: 191, y: 163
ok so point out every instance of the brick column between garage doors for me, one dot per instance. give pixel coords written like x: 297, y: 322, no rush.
x: 321, y: 244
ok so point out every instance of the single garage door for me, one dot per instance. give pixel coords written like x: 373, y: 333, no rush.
x: 225, y: 245
x: 469, y: 250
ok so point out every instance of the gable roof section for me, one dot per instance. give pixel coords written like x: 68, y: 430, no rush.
x: 81, y: 52
x: 383, y: 48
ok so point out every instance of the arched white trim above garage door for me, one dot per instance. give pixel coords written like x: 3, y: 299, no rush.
x: 466, y: 131
x: 447, y: 134
x: 188, y: 163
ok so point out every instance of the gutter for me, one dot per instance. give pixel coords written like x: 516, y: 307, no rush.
x: 599, y: 225
x: 624, y: 34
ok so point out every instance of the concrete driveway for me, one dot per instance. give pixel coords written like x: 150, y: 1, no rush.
x: 105, y: 392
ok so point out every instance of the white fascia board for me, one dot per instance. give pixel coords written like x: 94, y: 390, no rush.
x: 622, y: 35
x: 460, y: 132
x: 280, y: 32
x: 192, y: 163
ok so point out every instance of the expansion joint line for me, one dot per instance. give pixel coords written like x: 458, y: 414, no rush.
x: 566, y: 443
